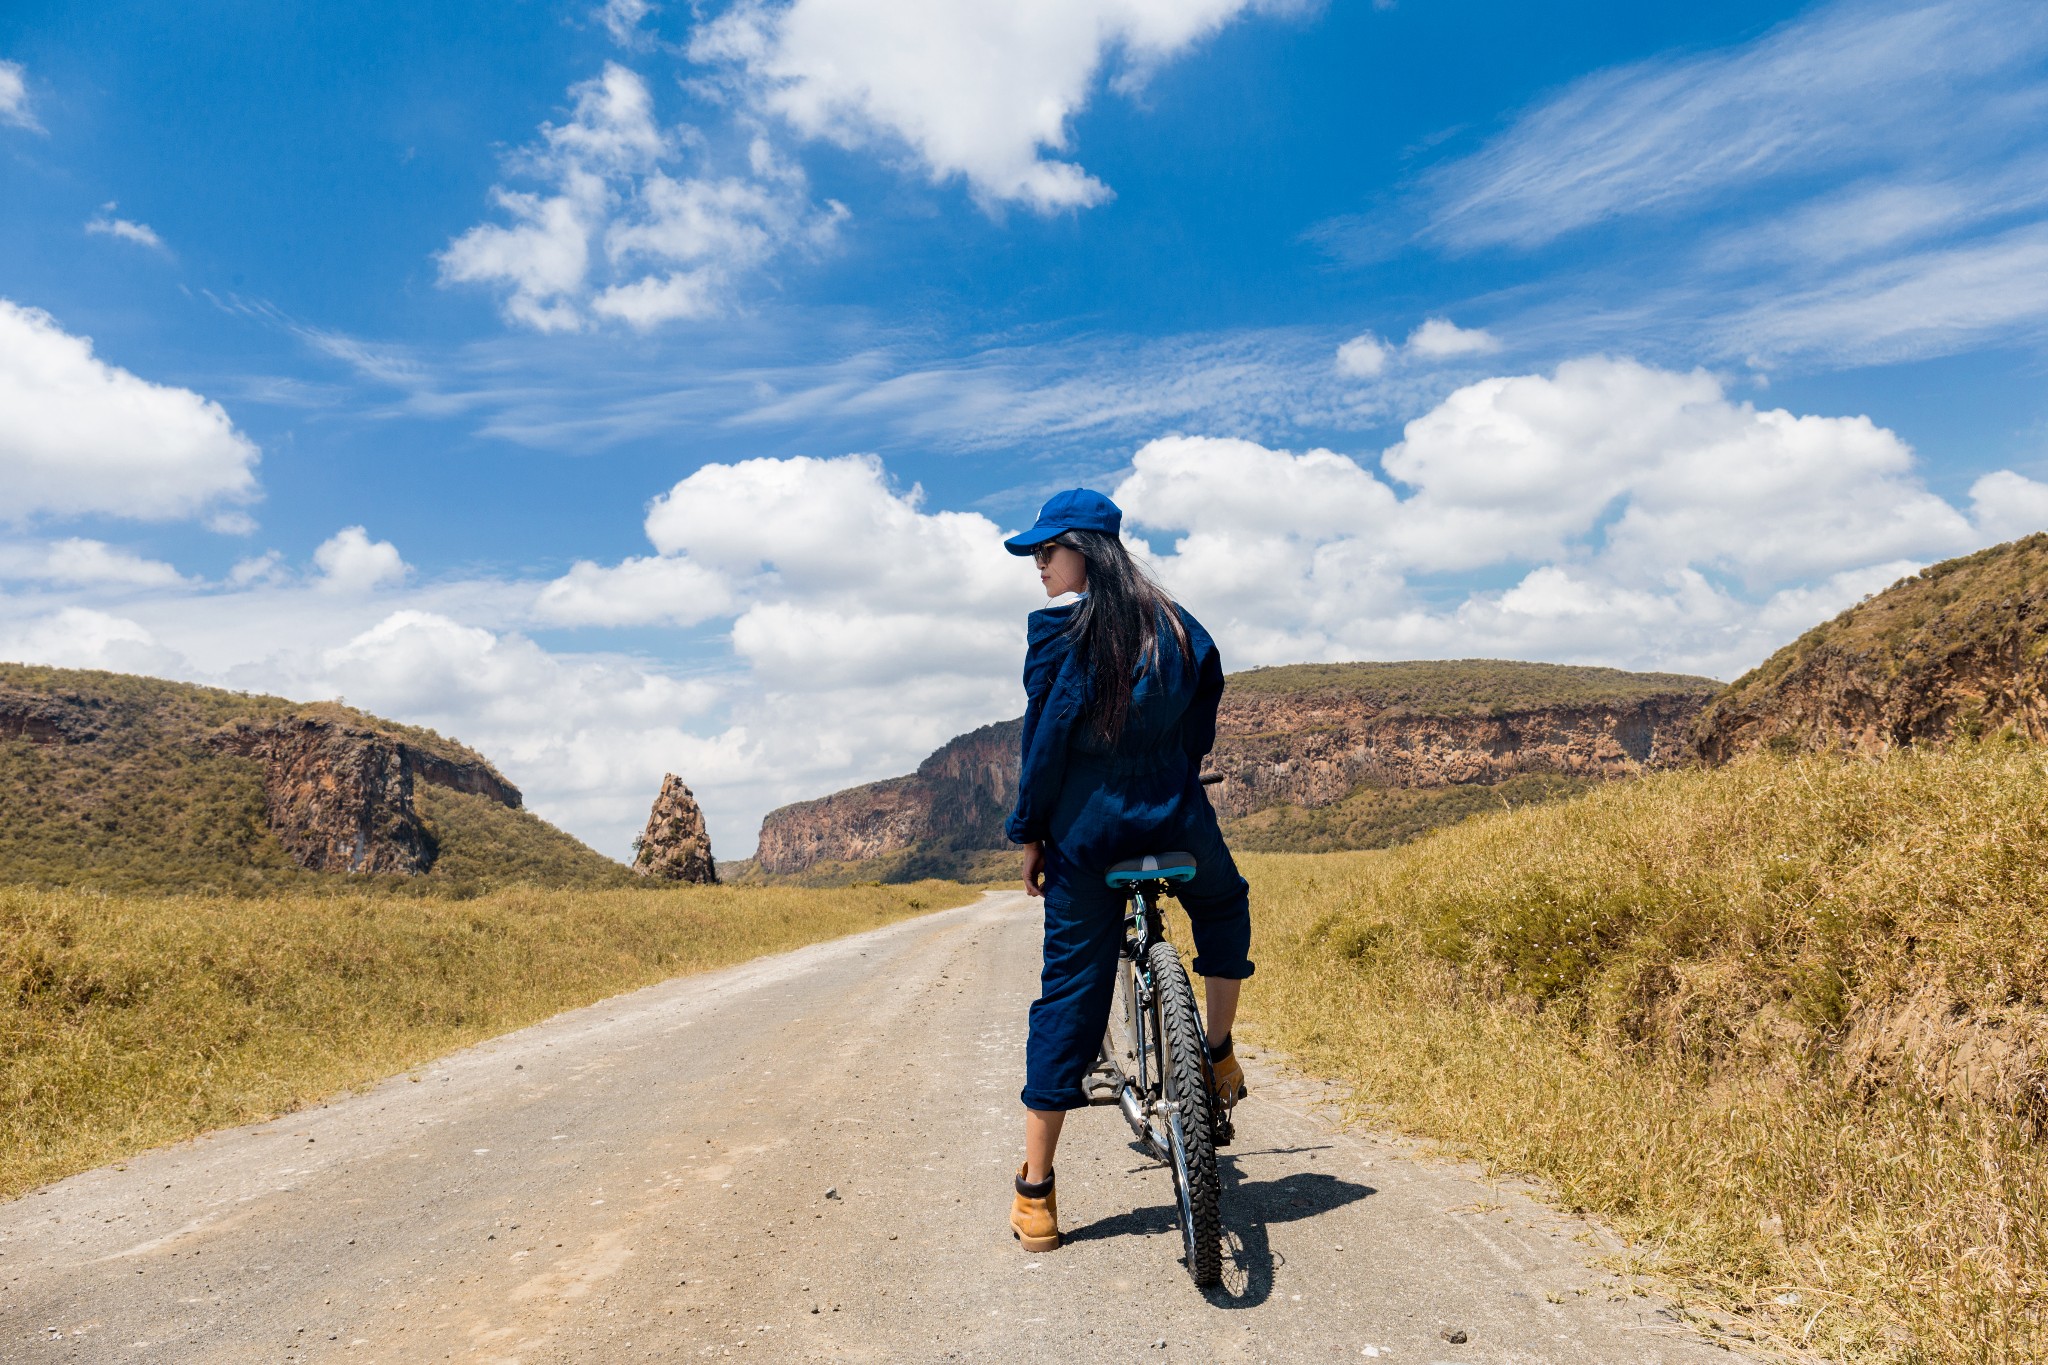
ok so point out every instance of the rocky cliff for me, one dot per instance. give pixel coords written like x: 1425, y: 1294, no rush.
x: 127, y: 782
x: 959, y: 796
x: 1307, y: 736
x: 675, y: 847
x: 340, y: 797
x: 1960, y: 648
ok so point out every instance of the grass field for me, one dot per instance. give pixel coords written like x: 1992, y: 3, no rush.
x: 1784, y: 1023
x: 131, y: 1021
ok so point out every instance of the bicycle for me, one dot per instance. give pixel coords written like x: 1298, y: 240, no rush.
x: 1155, y: 1062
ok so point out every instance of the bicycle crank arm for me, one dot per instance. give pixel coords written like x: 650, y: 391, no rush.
x: 1133, y: 1106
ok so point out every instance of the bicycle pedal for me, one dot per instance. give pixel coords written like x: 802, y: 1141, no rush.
x: 1101, y: 1087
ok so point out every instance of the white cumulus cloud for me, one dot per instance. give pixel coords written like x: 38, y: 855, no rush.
x: 982, y: 92
x: 81, y: 637
x: 642, y: 591
x: 1647, y: 520
x: 2008, y: 505
x: 79, y: 436
x: 1363, y: 357
x: 1442, y: 339
x: 350, y: 562
x: 77, y: 562
x: 616, y: 232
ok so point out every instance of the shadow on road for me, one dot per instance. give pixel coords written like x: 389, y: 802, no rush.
x: 1249, y: 1207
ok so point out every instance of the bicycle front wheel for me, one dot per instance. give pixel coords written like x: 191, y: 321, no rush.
x: 1192, y: 1148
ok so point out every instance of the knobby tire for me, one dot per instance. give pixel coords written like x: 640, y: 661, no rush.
x: 1185, y: 1075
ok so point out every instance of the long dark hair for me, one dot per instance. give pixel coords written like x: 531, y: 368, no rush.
x: 1117, y: 626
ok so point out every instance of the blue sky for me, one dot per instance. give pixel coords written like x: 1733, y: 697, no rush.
x: 630, y: 388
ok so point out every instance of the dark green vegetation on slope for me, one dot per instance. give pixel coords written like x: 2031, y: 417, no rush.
x: 1454, y: 687
x: 1785, y: 1022
x: 136, y: 799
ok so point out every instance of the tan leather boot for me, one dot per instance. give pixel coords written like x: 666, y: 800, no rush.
x: 1227, y: 1079
x: 1035, y: 1214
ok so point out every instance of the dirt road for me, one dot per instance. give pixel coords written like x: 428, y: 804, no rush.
x: 804, y: 1158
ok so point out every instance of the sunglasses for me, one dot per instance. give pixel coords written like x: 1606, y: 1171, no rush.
x: 1041, y: 555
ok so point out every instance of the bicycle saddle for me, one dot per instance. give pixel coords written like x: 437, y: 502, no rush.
x: 1153, y: 867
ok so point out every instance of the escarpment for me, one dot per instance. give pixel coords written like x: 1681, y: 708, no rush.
x: 1306, y: 736
x: 1959, y: 649
x: 1312, y: 751
x: 340, y: 797
x: 960, y: 795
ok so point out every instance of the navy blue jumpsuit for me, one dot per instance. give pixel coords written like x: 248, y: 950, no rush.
x: 1094, y: 805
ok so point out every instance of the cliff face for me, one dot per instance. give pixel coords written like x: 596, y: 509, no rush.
x: 960, y: 795
x: 676, y: 847
x: 1312, y: 751
x: 1277, y: 744
x: 340, y: 798
x: 1960, y: 648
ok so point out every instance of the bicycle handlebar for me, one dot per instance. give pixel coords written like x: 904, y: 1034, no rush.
x: 1210, y: 779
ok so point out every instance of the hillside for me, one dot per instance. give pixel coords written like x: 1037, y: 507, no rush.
x: 1455, y: 687
x: 1958, y: 649
x: 1314, y: 756
x: 125, y: 782
x: 1785, y: 1021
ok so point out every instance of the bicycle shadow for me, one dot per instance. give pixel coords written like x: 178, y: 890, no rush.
x: 1249, y: 1208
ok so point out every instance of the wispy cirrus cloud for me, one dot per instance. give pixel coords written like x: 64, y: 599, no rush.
x: 1866, y: 183
x: 1854, y: 86
x: 14, y: 99
x: 981, y: 92
x: 105, y: 224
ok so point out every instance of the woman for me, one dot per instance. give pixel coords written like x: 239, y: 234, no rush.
x: 1122, y: 686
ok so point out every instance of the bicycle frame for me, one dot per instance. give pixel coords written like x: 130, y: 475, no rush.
x: 1142, y: 1096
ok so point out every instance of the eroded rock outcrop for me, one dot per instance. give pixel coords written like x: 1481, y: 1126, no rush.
x: 1308, y: 746
x: 676, y: 847
x: 46, y: 719
x: 1960, y: 648
x: 340, y: 797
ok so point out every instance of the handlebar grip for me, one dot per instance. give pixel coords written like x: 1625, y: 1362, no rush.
x: 1210, y: 779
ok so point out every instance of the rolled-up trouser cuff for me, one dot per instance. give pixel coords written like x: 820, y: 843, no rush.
x: 1050, y: 1103
x: 1224, y: 970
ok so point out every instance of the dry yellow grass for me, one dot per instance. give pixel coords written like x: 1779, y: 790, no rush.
x: 131, y: 1021
x: 1784, y: 1023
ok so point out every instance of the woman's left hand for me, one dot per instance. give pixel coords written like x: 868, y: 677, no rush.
x: 1034, y: 868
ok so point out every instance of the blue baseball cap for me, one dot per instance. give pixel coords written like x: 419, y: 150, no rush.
x: 1077, y: 509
